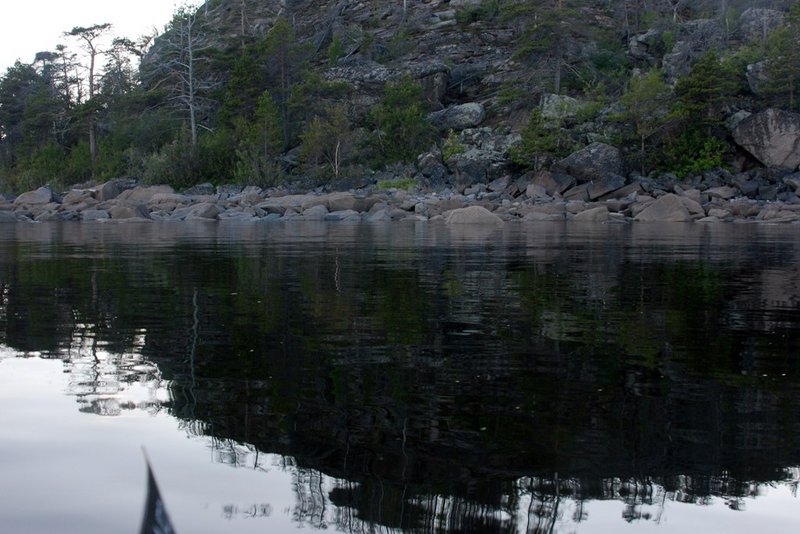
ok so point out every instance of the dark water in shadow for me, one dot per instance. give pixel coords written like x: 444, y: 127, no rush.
x: 535, y: 378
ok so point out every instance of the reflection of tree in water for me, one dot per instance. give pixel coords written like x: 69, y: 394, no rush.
x: 536, y: 504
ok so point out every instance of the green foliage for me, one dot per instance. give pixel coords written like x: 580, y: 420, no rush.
x: 646, y: 106
x: 396, y: 47
x: 180, y: 165
x: 783, y: 62
x: 669, y: 40
x: 697, y: 140
x: 487, y: 10
x: 261, y: 141
x: 452, y: 146
x: 244, y: 87
x: 335, y: 50
x: 705, y: 95
x: 691, y: 151
x: 406, y: 184
x: 401, y: 131
x: 173, y: 164
x: 542, y: 140
x: 329, y: 140
x: 512, y: 93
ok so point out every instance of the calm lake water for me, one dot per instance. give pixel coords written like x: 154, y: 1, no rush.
x: 544, y: 378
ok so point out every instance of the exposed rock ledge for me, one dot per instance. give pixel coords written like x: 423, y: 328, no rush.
x: 532, y: 198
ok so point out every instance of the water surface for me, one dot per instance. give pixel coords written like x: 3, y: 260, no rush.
x: 541, y: 378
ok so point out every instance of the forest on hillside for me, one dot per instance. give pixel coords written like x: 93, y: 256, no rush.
x: 266, y: 93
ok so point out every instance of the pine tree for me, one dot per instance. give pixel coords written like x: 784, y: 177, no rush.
x: 646, y: 106
x: 783, y: 60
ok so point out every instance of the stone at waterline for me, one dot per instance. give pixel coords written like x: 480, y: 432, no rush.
x: 472, y: 215
x: 7, y: 217
x: 554, y: 183
x: 379, y: 216
x: 579, y: 192
x: 343, y: 216
x: 129, y: 212
x: 43, y: 195
x: 113, y: 188
x: 235, y: 215
x: 772, y: 137
x: 719, y: 213
x: 76, y: 196
x: 142, y: 195
x: 668, y: 208
x: 630, y: 191
x: 695, y: 208
x: 206, y: 210
x: 594, y: 162
x: 95, y: 215
x: 315, y: 213
x: 605, y: 185
x: 537, y: 192
x: 596, y: 214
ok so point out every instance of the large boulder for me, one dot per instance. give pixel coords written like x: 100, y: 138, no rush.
x: 772, y: 137
x: 596, y: 161
x: 594, y: 214
x: 668, y: 208
x: 113, y: 188
x: 472, y: 215
x: 204, y: 211
x: 553, y: 183
x: 458, y: 117
x: 605, y: 185
x: 121, y: 212
x: 43, y: 195
x: 143, y: 195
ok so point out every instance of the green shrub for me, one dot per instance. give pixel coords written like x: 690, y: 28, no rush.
x: 400, y: 129
x: 335, y: 50
x: 406, y: 184
x: 452, y: 146
x: 487, y: 10
x: 541, y: 141
x: 693, y: 152
x: 173, y: 165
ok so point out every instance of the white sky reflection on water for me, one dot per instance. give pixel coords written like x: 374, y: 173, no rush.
x: 70, y: 471
x: 67, y: 471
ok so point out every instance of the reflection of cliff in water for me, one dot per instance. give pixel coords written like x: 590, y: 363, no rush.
x: 434, y: 379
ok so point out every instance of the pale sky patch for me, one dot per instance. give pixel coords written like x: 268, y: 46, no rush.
x: 31, y: 26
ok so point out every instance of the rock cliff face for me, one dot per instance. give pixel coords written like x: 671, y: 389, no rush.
x: 457, y: 61
x: 483, y: 67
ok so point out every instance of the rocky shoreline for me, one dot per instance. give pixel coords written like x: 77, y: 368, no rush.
x: 759, y: 196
